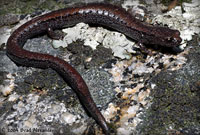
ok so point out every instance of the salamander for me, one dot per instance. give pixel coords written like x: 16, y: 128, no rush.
x: 107, y: 15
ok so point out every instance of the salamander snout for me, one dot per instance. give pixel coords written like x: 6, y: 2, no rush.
x: 176, y: 38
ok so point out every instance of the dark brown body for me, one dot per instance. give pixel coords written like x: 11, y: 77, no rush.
x: 103, y: 14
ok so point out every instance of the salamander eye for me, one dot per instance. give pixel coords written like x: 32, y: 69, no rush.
x: 171, y: 39
x: 174, y: 39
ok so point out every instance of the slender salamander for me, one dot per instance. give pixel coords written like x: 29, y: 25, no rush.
x: 107, y: 15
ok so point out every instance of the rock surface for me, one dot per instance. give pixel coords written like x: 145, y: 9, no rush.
x: 136, y: 92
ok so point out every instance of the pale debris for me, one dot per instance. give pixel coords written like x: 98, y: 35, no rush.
x: 110, y: 112
x: 13, y: 97
x: 59, y: 43
x: 123, y: 131
x: 5, y: 34
x: 117, y: 71
x: 140, y: 68
x: 119, y: 44
x: 30, y: 122
x: 131, y: 3
x: 135, y: 7
x: 69, y: 118
x: 80, y: 130
x: 130, y: 92
x: 8, y: 88
x: 178, y: 62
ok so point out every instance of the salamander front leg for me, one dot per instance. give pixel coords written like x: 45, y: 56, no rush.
x: 54, y: 35
x: 143, y: 48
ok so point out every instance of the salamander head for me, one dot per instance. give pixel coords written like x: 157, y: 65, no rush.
x: 164, y: 36
x: 174, y: 39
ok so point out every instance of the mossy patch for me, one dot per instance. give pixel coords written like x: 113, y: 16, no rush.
x: 175, y: 103
x: 27, y: 6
